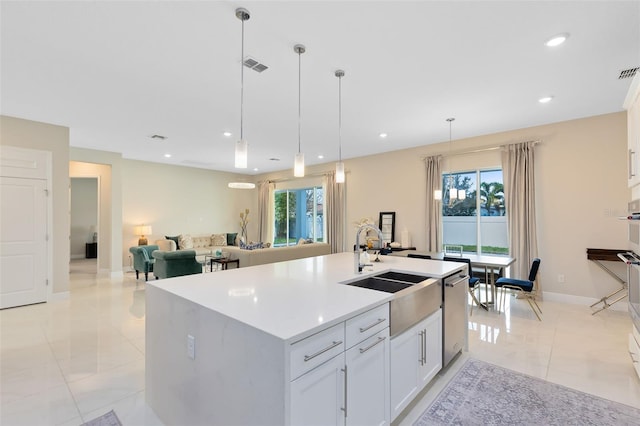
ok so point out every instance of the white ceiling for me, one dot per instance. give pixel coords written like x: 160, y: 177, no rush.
x: 117, y: 72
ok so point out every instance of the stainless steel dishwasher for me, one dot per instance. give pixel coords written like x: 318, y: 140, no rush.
x: 454, y: 315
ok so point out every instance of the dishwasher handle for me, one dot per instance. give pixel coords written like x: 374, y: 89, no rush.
x: 463, y: 278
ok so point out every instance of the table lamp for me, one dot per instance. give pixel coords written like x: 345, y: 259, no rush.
x: 143, y: 230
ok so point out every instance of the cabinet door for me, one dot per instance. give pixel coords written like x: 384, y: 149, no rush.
x: 368, y: 381
x: 405, y: 353
x: 317, y: 397
x: 432, y: 351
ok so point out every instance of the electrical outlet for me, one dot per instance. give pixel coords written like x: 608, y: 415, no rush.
x: 560, y: 278
x: 191, y: 346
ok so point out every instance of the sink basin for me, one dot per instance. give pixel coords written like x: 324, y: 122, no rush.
x: 415, y: 297
x: 375, y: 283
x: 401, y: 276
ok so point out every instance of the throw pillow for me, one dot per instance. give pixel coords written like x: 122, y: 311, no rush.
x: 251, y: 246
x: 175, y: 239
x: 302, y: 241
x: 219, y: 240
x: 185, y: 241
x: 231, y: 239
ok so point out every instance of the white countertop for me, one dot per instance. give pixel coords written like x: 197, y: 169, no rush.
x: 294, y: 299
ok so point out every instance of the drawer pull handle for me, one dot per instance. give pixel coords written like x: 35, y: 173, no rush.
x: 380, y: 340
x: 380, y: 320
x: 320, y: 352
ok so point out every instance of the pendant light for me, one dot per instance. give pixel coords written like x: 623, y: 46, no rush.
x: 298, y: 165
x: 454, y: 193
x: 339, y: 164
x: 241, y: 151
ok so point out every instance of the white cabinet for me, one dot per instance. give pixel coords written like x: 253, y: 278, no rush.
x: 368, y: 381
x: 634, y: 349
x: 632, y: 105
x: 317, y: 397
x: 416, y: 357
x: 332, y: 386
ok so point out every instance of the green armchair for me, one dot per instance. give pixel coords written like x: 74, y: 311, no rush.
x: 143, y: 260
x: 175, y: 263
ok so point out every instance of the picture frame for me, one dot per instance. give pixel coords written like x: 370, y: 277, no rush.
x: 387, y: 224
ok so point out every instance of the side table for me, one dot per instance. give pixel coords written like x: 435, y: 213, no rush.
x: 225, y: 261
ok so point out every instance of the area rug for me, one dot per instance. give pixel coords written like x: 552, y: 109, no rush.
x: 485, y: 394
x: 109, y: 419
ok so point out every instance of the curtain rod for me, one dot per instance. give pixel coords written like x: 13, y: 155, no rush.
x: 475, y: 151
x: 317, y: 174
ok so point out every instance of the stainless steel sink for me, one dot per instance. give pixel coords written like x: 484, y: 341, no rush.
x: 414, y: 296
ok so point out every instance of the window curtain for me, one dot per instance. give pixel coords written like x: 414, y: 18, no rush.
x: 519, y: 191
x: 433, y: 214
x: 265, y: 211
x: 335, y: 211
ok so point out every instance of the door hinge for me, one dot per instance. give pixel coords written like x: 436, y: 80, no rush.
x: 47, y: 281
x: 46, y: 237
x: 46, y: 192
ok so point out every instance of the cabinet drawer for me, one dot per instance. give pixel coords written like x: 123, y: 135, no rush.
x: 366, y: 325
x: 314, y: 350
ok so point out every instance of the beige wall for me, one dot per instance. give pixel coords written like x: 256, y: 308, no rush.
x: 55, y: 139
x: 581, y: 189
x: 181, y: 200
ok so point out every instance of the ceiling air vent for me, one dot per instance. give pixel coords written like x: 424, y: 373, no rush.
x: 249, y: 62
x: 628, y: 73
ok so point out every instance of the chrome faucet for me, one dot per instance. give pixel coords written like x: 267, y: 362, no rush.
x: 356, y: 251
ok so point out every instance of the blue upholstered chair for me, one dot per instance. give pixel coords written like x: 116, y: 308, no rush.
x: 176, y: 263
x: 525, y: 287
x: 143, y: 260
x: 474, y: 283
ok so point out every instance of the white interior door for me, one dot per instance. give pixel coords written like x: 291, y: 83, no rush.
x: 23, y: 241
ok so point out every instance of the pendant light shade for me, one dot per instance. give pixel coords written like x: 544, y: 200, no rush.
x: 340, y: 172
x: 241, y: 154
x: 339, y: 164
x: 241, y: 151
x: 437, y: 194
x: 298, y: 165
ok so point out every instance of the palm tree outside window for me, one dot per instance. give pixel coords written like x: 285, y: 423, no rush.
x: 484, y: 233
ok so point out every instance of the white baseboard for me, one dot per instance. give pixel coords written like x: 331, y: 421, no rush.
x: 581, y: 300
x: 117, y: 274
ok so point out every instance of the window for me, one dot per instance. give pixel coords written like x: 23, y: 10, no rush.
x: 485, y: 233
x: 298, y: 214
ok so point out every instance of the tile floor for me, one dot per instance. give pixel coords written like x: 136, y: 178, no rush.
x: 66, y: 362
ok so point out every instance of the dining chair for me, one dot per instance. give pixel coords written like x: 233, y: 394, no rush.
x: 474, y: 283
x: 525, y: 287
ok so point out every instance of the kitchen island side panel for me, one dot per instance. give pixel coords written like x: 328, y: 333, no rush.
x: 236, y: 377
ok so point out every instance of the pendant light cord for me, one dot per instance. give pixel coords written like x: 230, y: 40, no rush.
x: 340, y: 118
x: 299, y: 94
x: 242, y: 80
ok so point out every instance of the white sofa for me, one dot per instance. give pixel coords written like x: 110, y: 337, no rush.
x: 202, y: 245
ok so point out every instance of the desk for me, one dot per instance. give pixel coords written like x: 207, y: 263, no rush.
x: 490, y: 263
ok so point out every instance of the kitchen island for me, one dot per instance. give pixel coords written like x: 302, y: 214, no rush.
x: 242, y: 346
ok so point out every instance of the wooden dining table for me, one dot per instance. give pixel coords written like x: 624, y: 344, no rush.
x: 492, y: 264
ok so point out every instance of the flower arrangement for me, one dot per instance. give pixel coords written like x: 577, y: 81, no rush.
x: 244, y: 219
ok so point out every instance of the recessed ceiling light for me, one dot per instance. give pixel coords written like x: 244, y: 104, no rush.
x: 383, y: 135
x: 545, y: 99
x: 557, y: 40
x: 320, y: 156
x: 167, y: 156
x: 227, y: 134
